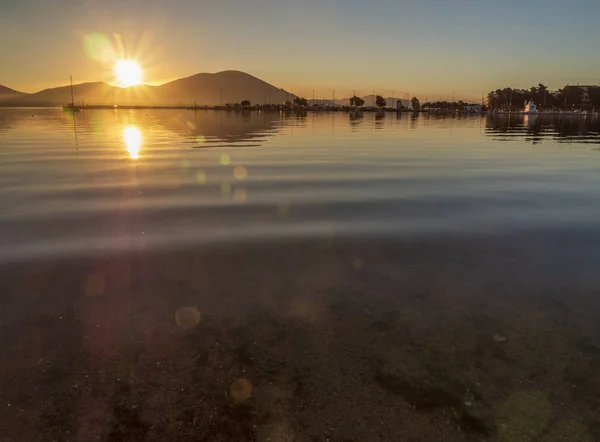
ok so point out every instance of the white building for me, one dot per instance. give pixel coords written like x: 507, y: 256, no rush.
x: 472, y: 108
x: 530, y: 107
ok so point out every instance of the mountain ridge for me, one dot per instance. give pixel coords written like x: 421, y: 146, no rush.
x: 4, y: 90
x: 209, y: 89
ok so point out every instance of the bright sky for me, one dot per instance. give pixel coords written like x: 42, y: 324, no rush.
x: 428, y: 48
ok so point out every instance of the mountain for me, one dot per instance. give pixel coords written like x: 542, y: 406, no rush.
x: 62, y: 95
x: 223, y: 87
x: 6, y: 92
x: 204, y: 89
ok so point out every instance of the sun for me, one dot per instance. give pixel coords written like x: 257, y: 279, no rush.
x: 128, y: 73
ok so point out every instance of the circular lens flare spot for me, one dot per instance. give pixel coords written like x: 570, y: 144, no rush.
x: 225, y: 189
x: 240, y: 390
x: 201, y: 178
x: 99, y: 48
x: 240, y: 173
x: 240, y: 195
x: 187, y: 317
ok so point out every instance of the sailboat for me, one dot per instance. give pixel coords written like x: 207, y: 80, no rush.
x: 71, y: 107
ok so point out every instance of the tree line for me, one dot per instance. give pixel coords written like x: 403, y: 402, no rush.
x: 569, y: 97
x: 355, y: 102
x: 447, y: 105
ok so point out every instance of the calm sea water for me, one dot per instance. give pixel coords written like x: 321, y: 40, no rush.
x: 127, y: 179
x: 219, y: 276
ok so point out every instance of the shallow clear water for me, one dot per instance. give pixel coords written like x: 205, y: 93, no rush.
x: 219, y: 276
x: 128, y: 179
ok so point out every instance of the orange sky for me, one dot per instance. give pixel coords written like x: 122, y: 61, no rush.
x: 324, y: 45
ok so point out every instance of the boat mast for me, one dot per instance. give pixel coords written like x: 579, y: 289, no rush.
x: 72, y: 98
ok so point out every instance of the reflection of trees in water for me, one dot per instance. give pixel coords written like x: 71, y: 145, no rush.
x: 300, y: 115
x: 8, y: 119
x: 221, y: 126
x: 355, y: 119
x: 414, y: 117
x: 379, y: 120
x: 536, y: 127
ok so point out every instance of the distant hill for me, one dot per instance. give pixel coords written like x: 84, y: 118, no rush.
x: 6, y: 92
x: 324, y: 103
x: 205, y: 89
x: 62, y: 95
x: 223, y: 87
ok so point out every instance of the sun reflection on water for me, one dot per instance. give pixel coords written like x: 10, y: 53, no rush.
x: 133, y: 141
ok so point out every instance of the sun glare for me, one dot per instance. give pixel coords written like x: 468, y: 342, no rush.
x: 128, y: 73
x: 133, y: 141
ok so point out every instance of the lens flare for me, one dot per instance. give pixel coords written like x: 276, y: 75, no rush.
x: 187, y: 317
x: 240, y: 390
x: 240, y: 173
x: 99, y: 48
x: 201, y: 178
x: 240, y: 195
x: 133, y: 141
x: 225, y: 189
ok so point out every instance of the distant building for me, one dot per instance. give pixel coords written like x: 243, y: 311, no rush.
x: 585, y: 93
x: 472, y: 108
x: 530, y: 106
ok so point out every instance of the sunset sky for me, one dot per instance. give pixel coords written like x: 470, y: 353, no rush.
x: 422, y: 47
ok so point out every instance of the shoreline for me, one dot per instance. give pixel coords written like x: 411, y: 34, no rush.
x: 340, y: 109
x: 591, y: 114
x: 223, y: 108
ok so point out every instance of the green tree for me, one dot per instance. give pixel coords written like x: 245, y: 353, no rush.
x: 356, y: 101
x: 594, y: 93
x: 287, y: 103
x: 570, y: 96
x: 533, y: 95
x: 542, y: 92
x: 515, y: 99
x: 245, y: 103
x: 380, y: 101
x: 301, y: 102
x: 415, y: 104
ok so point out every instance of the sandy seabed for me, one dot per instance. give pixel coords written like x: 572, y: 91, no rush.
x: 315, y: 340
